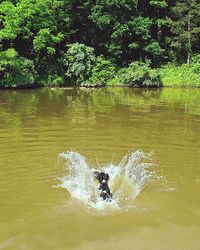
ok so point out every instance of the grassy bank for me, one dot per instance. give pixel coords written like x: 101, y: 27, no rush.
x: 180, y: 76
x: 167, y: 76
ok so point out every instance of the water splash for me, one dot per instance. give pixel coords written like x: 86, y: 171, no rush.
x: 127, y: 179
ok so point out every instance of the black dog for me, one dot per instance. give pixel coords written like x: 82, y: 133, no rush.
x: 103, y: 180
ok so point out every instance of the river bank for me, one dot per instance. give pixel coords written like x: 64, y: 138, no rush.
x: 137, y: 75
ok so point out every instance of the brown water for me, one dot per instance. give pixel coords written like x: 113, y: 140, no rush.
x: 103, y: 125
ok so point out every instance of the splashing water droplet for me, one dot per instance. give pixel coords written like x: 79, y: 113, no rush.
x: 127, y: 179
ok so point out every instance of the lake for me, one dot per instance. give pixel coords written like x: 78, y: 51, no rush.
x: 103, y: 125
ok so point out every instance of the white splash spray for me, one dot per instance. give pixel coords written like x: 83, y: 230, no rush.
x: 127, y: 179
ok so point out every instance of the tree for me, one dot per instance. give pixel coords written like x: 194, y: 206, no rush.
x: 102, y: 71
x: 15, y: 70
x: 78, y: 62
x: 131, y: 29
x: 44, y: 23
x: 185, y: 29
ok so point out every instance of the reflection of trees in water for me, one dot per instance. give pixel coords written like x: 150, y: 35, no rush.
x: 17, y: 106
x: 27, y: 107
x: 107, y: 99
x: 188, y: 98
x: 22, y: 101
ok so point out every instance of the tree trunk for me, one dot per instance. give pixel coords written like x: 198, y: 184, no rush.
x: 189, y: 37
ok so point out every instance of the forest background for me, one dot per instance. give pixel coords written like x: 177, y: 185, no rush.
x: 99, y: 42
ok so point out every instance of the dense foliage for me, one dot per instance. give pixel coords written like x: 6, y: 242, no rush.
x: 54, y: 42
x: 15, y: 70
x: 102, y: 72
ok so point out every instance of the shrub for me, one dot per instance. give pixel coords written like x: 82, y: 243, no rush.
x: 139, y: 74
x: 52, y: 79
x: 50, y: 74
x: 15, y: 71
x: 78, y: 62
x: 102, y: 72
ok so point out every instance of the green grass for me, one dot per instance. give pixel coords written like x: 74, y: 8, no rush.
x: 114, y: 82
x: 180, y: 76
x: 171, y: 76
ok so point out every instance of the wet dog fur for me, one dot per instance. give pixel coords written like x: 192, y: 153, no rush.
x: 103, y: 179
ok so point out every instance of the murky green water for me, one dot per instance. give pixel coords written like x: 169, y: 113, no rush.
x: 103, y: 125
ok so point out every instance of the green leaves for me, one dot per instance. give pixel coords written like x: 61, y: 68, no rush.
x: 131, y: 26
x: 78, y: 62
x: 15, y: 70
x: 185, y: 32
x: 154, y: 49
x: 102, y: 72
x: 141, y: 26
x: 122, y: 31
x: 181, y: 76
x: 45, y: 39
x: 9, y: 20
x: 133, y: 45
x: 159, y: 3
x: 139, y: 74
x: 36, y: 21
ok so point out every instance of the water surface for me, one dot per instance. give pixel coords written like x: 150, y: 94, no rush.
x: 103, y: 125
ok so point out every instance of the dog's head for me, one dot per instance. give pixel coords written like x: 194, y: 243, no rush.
x: 101, y: 176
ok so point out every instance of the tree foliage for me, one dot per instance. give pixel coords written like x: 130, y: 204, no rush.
x: 102, y: 72
x: 185, y: 29
x: 78, y: 62
x: 15, y: 70
x: 63, y: 38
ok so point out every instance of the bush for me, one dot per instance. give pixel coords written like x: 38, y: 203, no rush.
x: 139, y: 74
x: 78, y: 62
x: 15, y: 71
x: 102, y: 72
x: 50, y: 74
x: 52, y: 79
